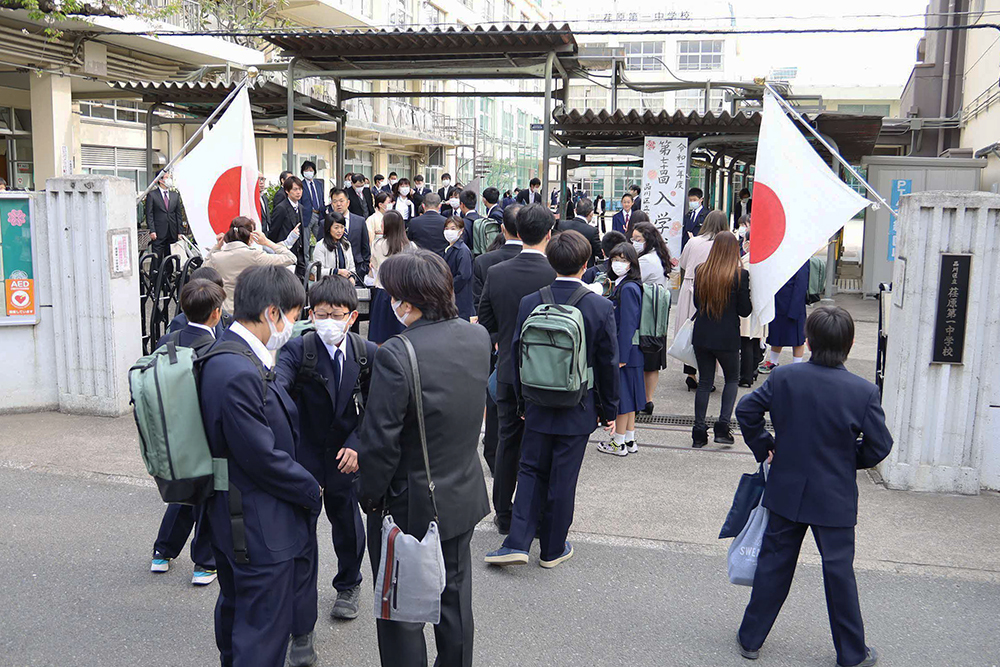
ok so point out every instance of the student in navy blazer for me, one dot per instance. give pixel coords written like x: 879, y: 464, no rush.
x: 458, y: 257
x: 202, y: 300
x: 253, y: 423
x: 620, y: 221
x: 328, y: 422
x: 555, y: 439
x: 828, y: 424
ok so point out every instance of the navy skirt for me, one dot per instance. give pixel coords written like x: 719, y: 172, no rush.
x: 382, y: 323
x: 632, y: 393
x: 785, y: 332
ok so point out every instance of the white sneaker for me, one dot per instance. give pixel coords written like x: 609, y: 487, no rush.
x: 159, y: 564
x: 611, y: 447
x: 203, y: 576
x: 632, y: 447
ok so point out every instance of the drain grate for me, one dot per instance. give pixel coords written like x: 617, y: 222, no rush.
x: 676, y: 420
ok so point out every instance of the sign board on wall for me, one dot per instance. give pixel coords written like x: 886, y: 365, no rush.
x: 17, y: 261
x: 952, y: 309
x: 664, y: 186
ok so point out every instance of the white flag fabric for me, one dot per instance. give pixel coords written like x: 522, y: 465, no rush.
x: 217, y: 179
x: 798, y: 204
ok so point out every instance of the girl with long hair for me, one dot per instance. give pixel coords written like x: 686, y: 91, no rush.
x: 334, y: 251
x: 627, y: 297
x: 722, y: 296
x: 656, y: 265
x: 382, y: 323
x: 383, y: 202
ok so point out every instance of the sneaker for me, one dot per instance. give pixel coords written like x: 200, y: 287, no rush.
x: 346, y: 606
x: 160, y: 564
x: 506, y: 556
x: 203, y: 576
x: 566, y: 555
x: 611, y: 447
x: 302, y: 653
x: 631, y: 447
x: 766, y: 367
x: 745, y: 652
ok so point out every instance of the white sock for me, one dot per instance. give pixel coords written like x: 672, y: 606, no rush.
x: 619, y: 438
x: 629, y: 436
x: 798, y: 360
x: 775, y: 356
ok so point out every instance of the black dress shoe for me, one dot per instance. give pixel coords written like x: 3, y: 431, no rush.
x: 691, y: 383
x: 745, y: 652
x: 648, y: 410
x: 870, y: 659
x: 502, y: 529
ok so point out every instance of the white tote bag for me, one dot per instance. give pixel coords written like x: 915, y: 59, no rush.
x: 681, y: 348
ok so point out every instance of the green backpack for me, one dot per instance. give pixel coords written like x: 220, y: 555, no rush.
x: 654, y: 319
x: 484, y: 232
x: 553, y: 353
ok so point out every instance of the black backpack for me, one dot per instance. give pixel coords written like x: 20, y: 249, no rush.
x: 307, y: 368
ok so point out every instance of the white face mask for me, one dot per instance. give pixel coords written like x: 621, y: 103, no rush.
x: 359, y: 188
x: 405, y: 190
x: 639, y: 245
x: 693, y: 204
x: 392, y: 181
x: 309, y: 175
x: 394, y: 304
x: 347, y: 183
x: 446, y: 182
x: 452, y: 235
x: 278, y: 338
x: 453, y: 202
x: 332, y: 331
x: 620, y: 268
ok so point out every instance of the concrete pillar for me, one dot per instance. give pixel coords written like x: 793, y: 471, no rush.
x: 93, y: 271
x: 51, y: 126
x: 945, y: 418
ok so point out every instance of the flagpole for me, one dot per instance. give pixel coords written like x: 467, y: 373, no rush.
x: 197, y: 133
x: 853, y: 172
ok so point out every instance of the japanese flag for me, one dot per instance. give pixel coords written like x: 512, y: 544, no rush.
x: 798, y: 204
x: 218, y: 178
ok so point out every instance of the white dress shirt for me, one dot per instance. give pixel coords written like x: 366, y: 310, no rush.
x: 205, y: 327
x: 258, y: 347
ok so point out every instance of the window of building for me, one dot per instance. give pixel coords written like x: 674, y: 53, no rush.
x: 122, y: 111
x: 508, y: 11
x: 489, y: 11
x: 433, y: 15
x: 400, y: 15
x: 865, y: 109
x: 643, y: 56
x: 694, y: 100
x: 622, y: 178
x: 358, y: 161
x: 401, y: 164
x: 127, y: 163
x: 588, y: 97
x: 700, y: 55
x: 631, y: 99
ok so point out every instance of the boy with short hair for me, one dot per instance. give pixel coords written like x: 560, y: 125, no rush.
x: 330, y: 397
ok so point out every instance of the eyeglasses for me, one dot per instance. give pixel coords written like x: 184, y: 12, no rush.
x: 329, y: 315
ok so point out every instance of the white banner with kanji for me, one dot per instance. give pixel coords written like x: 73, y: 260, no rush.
x: 664, y: 186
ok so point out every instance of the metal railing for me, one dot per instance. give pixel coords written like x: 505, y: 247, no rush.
x: 187, y: 15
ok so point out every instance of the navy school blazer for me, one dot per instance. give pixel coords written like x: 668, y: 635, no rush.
x: 601, y: 401
x: 459, y: 260
x: 627, y: 298
x: 260, y: 438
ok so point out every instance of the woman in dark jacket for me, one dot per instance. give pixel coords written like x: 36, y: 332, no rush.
x: 453, y: 357
x: 721, y: 297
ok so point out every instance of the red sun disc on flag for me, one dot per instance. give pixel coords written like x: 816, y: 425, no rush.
x: 767, y: 229
x: 224, y: 202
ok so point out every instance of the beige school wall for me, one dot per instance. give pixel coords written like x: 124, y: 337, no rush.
x: 981, y: 95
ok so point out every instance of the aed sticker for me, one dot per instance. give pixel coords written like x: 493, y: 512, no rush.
x: 20, y: 296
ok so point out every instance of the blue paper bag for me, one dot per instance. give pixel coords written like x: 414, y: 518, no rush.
x: 748, y: 493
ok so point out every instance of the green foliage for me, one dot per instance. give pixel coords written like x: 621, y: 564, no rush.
x: 271, y: 191
x: 502, y: 175
x: 51, y: 12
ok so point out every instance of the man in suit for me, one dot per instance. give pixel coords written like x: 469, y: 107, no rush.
x: 393, y: 178
x: 279, y: 194
x: 696, y: 214
x: 743, y: 205
x: 493, y: 209
x: 445, y: 186
x: 325, y: 396
x: 163, y: 218
x: 358, y: 197
x: 622, y: 219
x: 828, y: 424
x: 392, y: 472
x: 582, y: 224
x: 532, y: 194
x: 427, y: 230
x: 286, y: 218
x: 357, y: 231
x: 378, y: 180
x: 506, y: 284
x: 201, y: 300
x: 555, y: 439
x: 467, y: 208
x: 418, y: 192
x: 313, y: 202
x: 511, y: 247
x: 263, y: 206
x: 261, y: 524
x: 636, y: 191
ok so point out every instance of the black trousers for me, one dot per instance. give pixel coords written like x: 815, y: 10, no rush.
x: 402, y: 644
x: 492, y: 439
x: 779, y: 552
x: 750, y: 358
x: 176, y: 525
x: 508, y: 453
x: 253, y: 615
x: 730, y: 362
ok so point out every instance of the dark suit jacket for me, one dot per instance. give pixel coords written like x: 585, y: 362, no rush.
x: 459, y: 260
x: 265, y: 214
x: 328, y: 418
x: 637, y: 204
x: 260, y: 439
x: 618, y: 222
x: 496, y: 212
x: 180, y: 321
x: 427, y: 231
x: 361, y: 246
x: 454, y: 397
x: 279, y: 196
x: 694, y: 227
x: 164, y: 221
x: 589, y: 232
x: 738, y: 211
x: 482, y: 264
x: 602, y: 356
x: 818, y: 412
x: 790, y: 299
x: 627, y: 297
x: 535, y: 198
x: 307, y: 201
x: 189, y: 335
x: 506, y: 284
x: 283, y: 221
x: 359, y: 205
x: 723, y: 333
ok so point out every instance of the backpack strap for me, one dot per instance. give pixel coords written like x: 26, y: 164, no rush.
x: 546, y: 294
x: 577, y: 296
x: 307, y: 367
x: 361, y: 385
